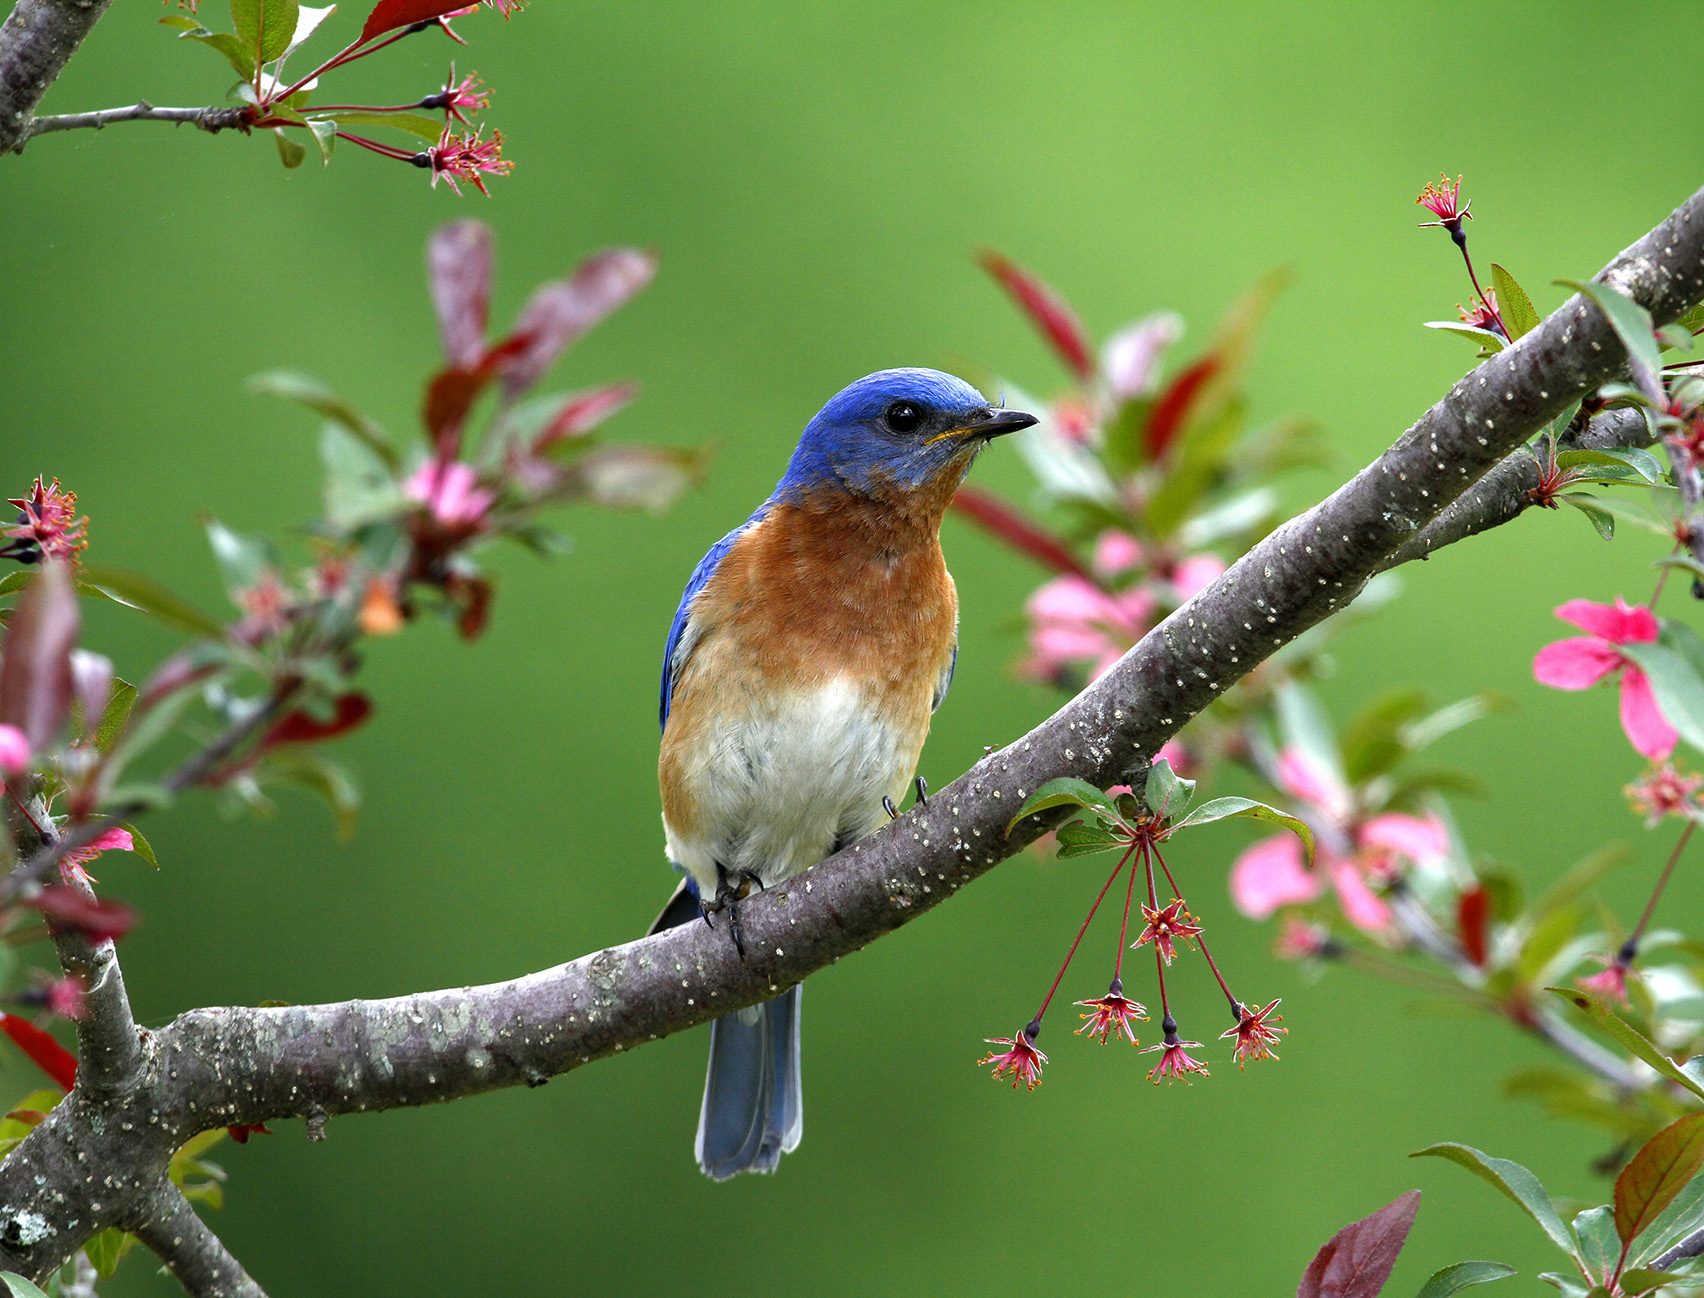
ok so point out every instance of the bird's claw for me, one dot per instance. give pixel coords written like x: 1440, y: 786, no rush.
x: 731, y: 890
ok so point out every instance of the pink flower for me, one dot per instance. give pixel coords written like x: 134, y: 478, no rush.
x: 466, y: 157
x: 1582, y: 661
x: 1301, y: 941
x: 448, y: 490
x: 48, y: 526
x: 461, y: 98
x: 1196, y: 573
x: 1111, y: 1015
x: 1422, y: 839
x: 1166, y: 926
x: 1443, y: 200
x: 1115, y: 552
x: 1482, y: 314
x: 1361, y: 905
x: 1073, y: 621
x: 111, y: 840
x: 1610, y: 985
x: 1174, y: 1063
x: 1305, y: 777
x: 1131, y: 359
x: 14, y: 751
x: 1021, y: 1059
x: 1269, y: 875
x: 1254, y: 1034
x: 1664, y: 791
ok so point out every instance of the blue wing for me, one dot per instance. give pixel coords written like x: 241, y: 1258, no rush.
x: 945, y: 683
x: 700, y: 575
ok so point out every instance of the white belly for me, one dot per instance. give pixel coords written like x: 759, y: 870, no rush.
x: 778, y: 786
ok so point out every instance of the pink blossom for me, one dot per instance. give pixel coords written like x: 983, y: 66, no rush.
x: 1196, y: 573
x: 448, y: 490
x: 1177, y: 753
x: 1582, y: 661
x: 1073, y: 621
x: 1304, y: 776
x: 1116, y: 552
x: 1610, y: 985
x: 1131, y: 359
x: 1301, y: 941
x: 110, y: 840
x: 14, y: 750
x: 1269, y: 875
x: 1361, y: 905
x: 1422, y: 839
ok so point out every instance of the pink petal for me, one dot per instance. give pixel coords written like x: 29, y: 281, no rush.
x: 1361, y: 906
x: 1131, y: 358
x: 1618, y: 623
x: 1269, y: 874
x: 1195, y: 574
x: 1116, y: 552
x: 1177, y: 753
x: 111, y: 840
x: 1136, y: 609
x: 1575, y: 663
x: 1106, y: 663
x: 14, y: 750
x: 1647, y: 728
x: 1301, y: 776
x: 1069, y: 599
x: 1070, y: 643
x: 1420, y: 839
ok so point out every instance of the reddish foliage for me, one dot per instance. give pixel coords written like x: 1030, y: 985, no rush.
x: 1003, y: 521
x: 304, y: 728
x: 388, y: 15
x: 1049, y: 312
x: 1170, y: 412
x: 240, y: 1132
x: 36, y: 681
x: 561, y: 311
x: 583, y: 412
x: 458, y: 263
x: 73, y: 908
x: 1473, y: 916
x: 48, y: 1055
x: 1357, y: 1260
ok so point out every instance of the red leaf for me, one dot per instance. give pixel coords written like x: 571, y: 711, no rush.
x: 241, y: 1131
x: 51, y: 1057
x: 1167, y: 417
x: 36, y: 681
x: 458, y: 266
x: 996, y: 516
x: 1473, y: 911
x: 561, y: 311
x: 583, y: 412
x: 1046, y: 309
x: 449, y: 397
x: 1658, y: 1172
x: 388, y: 15
x: 1357, y: 1260
x: 98, y: 920
x: 301, y: 727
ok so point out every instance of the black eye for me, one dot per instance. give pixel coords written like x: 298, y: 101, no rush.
x: 903, y: 417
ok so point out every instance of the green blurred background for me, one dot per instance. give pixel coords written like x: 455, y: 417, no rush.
x: 815, y: 179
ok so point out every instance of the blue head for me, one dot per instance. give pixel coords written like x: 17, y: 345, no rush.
x: 897, y: 431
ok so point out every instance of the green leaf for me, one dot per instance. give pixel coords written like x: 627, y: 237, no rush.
x: 241, y: 59
x: 1569, y: 1285
x: 1221, y: 808
x: 1672, y: 335
x: 144, y: 848
x: 1677, y: 686
x: 1513, y: 304
x: 1599, y: 1247
x: 1067, y: 792
x: 1489, y: 341
x: 1372, y: 743
x: 359, y: 487
x: 1641, y: 461
x: 1082, y: 838
x: 1639, y: 512
x: 1512, y: 1179
x: 1684, y: 1215
x: 111, y: 724
x: 107, y: 1249
x: 1166, y: 792
x: 316, y: 396
x: 18, y: 1287
x: 1199, y: 459
x: 417, y: 124
x: 311, y: 770
x: 1638, y: 1280
x: 1451, y: 1280
x: 1599, y: 517
x: 1628, y: 1035
x: 132, y: 588
x: 1632, y: 324
x: 242, y: 560
x: 1661, y: 1169
x: 265, y: 26
x: 325, y: 136
x: 290, y: 153
x: 13, y: 582
x: 1578, y: 877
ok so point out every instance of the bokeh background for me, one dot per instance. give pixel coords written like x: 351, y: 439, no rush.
x: 816, y: 179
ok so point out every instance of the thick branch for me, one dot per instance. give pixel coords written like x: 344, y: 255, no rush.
x: 214, y: 118
x: 1690, y: 1247
x: 218, y: 1066
x: 35, y: 42
x: 190, y: 1249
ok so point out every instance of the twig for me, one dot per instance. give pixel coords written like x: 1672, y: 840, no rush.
x: 190, y: 1249
x: 213, y: 118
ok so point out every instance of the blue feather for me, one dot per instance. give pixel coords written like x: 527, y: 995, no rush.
x: 705, y: 570
x: 753, y: 1103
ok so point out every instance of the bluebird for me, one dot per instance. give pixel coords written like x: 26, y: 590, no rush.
x: 812, y: 646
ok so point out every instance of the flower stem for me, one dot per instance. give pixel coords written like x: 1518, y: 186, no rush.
x: 387, y: 150
x: 349, y: 54
x: 1236, y: 1005
x: 1124, y: 928
x: 1048, y: 999
x: 1159, y: 964
x: 1461, y: 242
x: 1630, y: 947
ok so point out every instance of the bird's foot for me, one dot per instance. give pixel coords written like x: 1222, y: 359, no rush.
x: 922, y: 787
x: 731, y: 890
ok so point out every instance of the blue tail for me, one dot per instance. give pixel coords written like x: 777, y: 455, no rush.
x: 753, y: 1107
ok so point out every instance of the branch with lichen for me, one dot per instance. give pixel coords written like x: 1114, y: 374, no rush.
x: 214, y: 1067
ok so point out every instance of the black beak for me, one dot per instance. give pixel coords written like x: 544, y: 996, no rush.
x: 1000, y: 422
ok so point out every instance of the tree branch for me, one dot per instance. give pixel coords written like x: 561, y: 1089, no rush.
x: 190, y: 1249
x: 37, y: 39
x: 213, y: 1067
x: 213, y: 118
